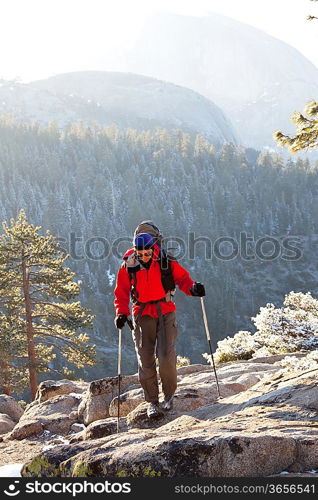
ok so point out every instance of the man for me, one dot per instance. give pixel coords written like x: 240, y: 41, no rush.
x: 154, y: 318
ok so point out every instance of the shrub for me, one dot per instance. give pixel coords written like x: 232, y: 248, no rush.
x: 241, y: 346
x: 308, y: 362
x: 291, y: 328
x: 182, y: 361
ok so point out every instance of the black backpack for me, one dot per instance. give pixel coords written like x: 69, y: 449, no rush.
x: 165, y: 259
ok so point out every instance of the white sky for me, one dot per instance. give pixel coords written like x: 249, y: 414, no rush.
x: 39, y: 38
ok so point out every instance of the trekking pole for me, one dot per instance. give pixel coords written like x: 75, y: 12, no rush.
x: 130, y: 324
x: 119, y: 376
x: 209, y: 341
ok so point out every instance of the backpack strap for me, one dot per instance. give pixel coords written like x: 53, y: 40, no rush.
x: 167, y: 280
x: 133, y: 287
x: 132, y: 267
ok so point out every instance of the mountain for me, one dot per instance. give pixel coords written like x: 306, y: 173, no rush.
x: 124, y: 99
x: 255, y: 78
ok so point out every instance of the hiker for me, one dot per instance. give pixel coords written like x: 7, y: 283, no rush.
x: 148, y: 276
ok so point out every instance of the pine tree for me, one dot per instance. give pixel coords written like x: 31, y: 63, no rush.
x: 32, y: 266
x: 311, y: 17
x: 5, y: 358
x: 306, y: 136
x: 13, y: 349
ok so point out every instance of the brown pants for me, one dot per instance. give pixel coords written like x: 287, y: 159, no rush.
x: 148, y: 333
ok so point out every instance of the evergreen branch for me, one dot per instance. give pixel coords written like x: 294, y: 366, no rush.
x: 57, y: 371
x: 57, y: 346
x: 62, y: 339
x: 47, y: 315
x: 49, y: 304
x: 306, y: 136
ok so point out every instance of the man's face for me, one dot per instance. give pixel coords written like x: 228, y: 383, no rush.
x: 144, y: 255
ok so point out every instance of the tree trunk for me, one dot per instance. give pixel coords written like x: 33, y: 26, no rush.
x: 5, y: 377
x: 29, y: 329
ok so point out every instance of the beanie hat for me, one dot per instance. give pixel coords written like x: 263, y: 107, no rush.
x: 142, y: 241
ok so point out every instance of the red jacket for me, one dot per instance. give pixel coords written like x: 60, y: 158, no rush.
x: 148, y: 285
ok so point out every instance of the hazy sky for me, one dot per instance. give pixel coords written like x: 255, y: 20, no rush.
x: 39, y: 38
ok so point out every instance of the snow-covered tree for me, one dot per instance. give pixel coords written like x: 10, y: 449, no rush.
x: 291, y: 328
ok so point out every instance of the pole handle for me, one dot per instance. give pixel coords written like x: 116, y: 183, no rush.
x: 130, y: 324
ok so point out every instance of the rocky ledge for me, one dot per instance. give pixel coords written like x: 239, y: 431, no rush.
x: 265, y: 423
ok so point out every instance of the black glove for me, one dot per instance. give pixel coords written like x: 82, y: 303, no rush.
x: 197, y: 290
x: 120, y: 320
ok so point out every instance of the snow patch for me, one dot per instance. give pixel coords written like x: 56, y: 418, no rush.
x: 50, y: 446
x: 11, y: 470
x: 81, y: 425
x: 75, y: 395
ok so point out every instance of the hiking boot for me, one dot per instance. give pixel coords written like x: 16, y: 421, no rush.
x: 153, y: 410
x: 167, y: 404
